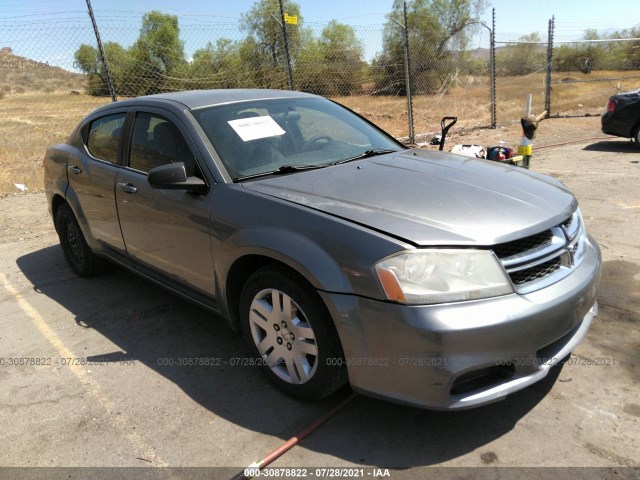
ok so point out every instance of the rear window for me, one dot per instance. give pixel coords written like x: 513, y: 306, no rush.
x: 104, y: 137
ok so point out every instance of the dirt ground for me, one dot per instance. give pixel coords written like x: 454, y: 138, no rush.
x: 101, y: 395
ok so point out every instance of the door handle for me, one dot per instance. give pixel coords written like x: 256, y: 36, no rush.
x: 127, y: 187
x: 74, y: 169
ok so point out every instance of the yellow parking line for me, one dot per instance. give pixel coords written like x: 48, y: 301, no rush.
x: 141, y: 446
x: 627, y: 207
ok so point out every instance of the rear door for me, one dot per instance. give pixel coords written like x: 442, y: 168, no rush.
x: 92, y: 177
x: 166, y: 232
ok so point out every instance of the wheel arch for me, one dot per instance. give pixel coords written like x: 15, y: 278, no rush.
x: 56, y: 201
x: 245, y: 266
x: 255, y: 248
x: 635, y: 132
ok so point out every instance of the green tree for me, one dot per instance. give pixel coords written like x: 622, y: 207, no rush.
x: 157, y: 53
x: 120, y: 65
x: 87, y: 59
x: 261, y: 23
x: 217, y: 66
x: 331, y: 64
x: 437, y: 29
x: 581, y: 56
x: 523, y: 58
x: 623, y: 55
x: 119, y: 62
x: 263, y: 48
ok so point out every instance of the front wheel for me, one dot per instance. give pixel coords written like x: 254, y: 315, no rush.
x: 291, y: 334
x: 78, y: 254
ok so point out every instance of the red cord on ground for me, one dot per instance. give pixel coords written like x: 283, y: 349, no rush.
x: 286, y: 446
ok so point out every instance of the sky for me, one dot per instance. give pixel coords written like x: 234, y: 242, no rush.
x: 513, y: 17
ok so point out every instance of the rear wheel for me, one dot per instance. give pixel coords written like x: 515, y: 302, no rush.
x: 636, y: 136
x: 78, y: 254
x: 291, y: 334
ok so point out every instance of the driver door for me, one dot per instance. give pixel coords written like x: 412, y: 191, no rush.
x: 166, y: 232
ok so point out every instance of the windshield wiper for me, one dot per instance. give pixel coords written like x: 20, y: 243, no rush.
x: 367, y: 153
x: 284, y: 169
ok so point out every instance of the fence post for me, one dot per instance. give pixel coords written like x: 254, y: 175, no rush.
x: 492, y: 48
x: 112, y: 90
x: 547, y: 95
x: 407, y: 70
x: 407, y: 75
x: 286, y: 46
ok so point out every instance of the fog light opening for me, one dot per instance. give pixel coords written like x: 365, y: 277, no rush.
x: 482, y: 379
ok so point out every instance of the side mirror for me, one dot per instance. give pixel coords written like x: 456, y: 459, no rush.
x: 173, y: 176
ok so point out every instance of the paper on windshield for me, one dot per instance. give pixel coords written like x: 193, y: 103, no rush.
x: 253, y: 128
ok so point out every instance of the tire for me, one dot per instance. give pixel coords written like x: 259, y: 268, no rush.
x: 78, y: 254
x: 295, y: 343
x: 636, y: 136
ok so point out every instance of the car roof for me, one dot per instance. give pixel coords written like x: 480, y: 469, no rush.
x: 194, y: 99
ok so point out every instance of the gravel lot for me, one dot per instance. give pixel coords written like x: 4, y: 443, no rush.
x: 95, y: 389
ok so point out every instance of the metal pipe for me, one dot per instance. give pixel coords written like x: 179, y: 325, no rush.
x: 547, y: 95
x: 286, y: 46
x: 492, y: 38
x: 112, y: 90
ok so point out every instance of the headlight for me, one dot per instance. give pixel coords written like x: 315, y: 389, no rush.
x: 442, y: 275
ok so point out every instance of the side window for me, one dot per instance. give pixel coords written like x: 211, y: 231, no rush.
x: 104, y: 136
x: 157, y: 141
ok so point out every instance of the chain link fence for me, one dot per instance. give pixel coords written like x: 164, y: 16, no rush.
x: 571, y: 72
x: 52, y: 73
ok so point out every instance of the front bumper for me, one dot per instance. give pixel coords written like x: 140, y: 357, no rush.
x: 466, y: 354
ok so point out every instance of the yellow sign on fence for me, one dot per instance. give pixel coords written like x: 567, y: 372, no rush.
x: 291, y: 19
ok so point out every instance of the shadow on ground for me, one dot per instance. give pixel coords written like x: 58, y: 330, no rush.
x: 148, y: 324
x: 614, y: 332
x: 615, y: 146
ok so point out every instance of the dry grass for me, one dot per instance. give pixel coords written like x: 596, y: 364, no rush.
x: 470, y: 105
x: 30, y: 122
x: 469, y: 100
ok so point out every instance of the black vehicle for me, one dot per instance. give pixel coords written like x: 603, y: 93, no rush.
x: 622, y: 117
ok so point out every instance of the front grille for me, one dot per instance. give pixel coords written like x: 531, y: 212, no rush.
x: 516, y: 247
x: 538, y: 260
x: 534, y: 273
x: 567, y: 223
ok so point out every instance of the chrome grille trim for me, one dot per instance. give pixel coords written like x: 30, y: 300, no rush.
x: 554, y: 255
x: 572, y: 225
x: 556, y: 243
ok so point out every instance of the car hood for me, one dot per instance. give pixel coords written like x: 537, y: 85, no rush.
x: 430, y: 198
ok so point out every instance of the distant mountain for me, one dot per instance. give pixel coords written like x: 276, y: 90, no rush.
x: 23, y: 75
x: 481, y: 53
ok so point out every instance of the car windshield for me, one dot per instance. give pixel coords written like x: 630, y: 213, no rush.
x: 287, y: 135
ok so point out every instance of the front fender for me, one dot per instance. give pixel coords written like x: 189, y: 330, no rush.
x: 333, y: 254
x: 293, y: 249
